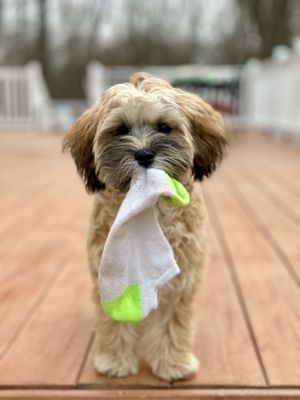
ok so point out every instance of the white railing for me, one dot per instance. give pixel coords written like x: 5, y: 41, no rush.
x: 100, y: 77
x: 270, y: 93
x: 24, y: 99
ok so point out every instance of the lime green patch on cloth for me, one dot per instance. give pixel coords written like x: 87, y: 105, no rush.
x: 180, y: 196
x: 126, y: 307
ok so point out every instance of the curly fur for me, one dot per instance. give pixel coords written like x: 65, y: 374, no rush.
x: 103, y: 141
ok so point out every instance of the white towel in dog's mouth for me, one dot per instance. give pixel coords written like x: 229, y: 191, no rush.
x: 137, y: 259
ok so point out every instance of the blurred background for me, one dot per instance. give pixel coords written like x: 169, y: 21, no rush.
x: 242, y: 56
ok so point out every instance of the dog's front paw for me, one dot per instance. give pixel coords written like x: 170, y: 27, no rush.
x: 179, y: 366
x: 115, y: 366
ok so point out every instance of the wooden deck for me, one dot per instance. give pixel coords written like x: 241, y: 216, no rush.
x: 249, y: 313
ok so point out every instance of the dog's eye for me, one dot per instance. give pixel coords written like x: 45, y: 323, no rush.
x: 122, y: 130
x: 164, y: 128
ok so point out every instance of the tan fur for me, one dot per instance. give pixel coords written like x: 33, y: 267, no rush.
x: 166, y: 335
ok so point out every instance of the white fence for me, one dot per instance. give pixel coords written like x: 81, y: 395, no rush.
x: 24, y: 100
x: 270, y: 93
x: 100, y: 77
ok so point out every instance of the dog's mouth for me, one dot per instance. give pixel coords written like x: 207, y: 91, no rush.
x: 124, y: 185
x: 120, y: 176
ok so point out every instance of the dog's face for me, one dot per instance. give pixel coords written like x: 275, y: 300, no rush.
x: 141, y: 130
x: 145, y: 123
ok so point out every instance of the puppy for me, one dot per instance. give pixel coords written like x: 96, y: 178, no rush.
x: 185, y: 137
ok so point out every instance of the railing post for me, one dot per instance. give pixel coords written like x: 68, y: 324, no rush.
x: 96, y: 81
x: 41, y: 103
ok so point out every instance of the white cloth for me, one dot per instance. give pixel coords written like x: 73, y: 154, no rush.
x: 137, y: 255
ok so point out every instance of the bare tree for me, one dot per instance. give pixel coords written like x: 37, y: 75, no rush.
x: 66, y: 35
x: 42, y: 37
x: 271, y: 19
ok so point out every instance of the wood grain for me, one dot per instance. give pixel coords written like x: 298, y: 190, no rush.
x: 153, y: 394
x: 279, y: 229
x: 248, y: 336
x: 271, y: 297
x: 280, y: 192
x: 284, y: 161
x: 52, y: 345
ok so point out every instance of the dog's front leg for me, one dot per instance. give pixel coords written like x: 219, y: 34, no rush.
x: 168, y: 340
x: 116, y: 345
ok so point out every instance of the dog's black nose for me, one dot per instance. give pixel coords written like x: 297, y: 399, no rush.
x: 144, y: 157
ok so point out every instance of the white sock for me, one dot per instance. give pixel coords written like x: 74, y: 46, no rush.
x: 137, y: 259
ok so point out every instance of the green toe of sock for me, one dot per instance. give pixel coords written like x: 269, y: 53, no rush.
x: 180, y: 196
x: 126, y: 307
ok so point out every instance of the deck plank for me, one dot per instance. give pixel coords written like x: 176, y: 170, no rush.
x: 31, y: 257
x: 284, y: 161
x: 39, y: 235
x: 280, y: 192
x: 271, y: 297
x: 34, y: 198
x: 153, y: 394
x: 30, y: 272
x: 248, y: 322
x: 28, y: 166
x: 281, y: 232
x: 27, y: 223
x: 52, y: 345
x: 265, y: 146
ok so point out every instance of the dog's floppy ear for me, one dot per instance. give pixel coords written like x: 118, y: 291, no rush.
x: 79, y: 140
x: 208, y: 133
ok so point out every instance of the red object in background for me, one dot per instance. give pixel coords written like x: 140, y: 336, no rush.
x: 224, y: 108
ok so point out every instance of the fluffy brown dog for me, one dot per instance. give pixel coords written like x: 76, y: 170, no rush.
x: 184, y: 136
